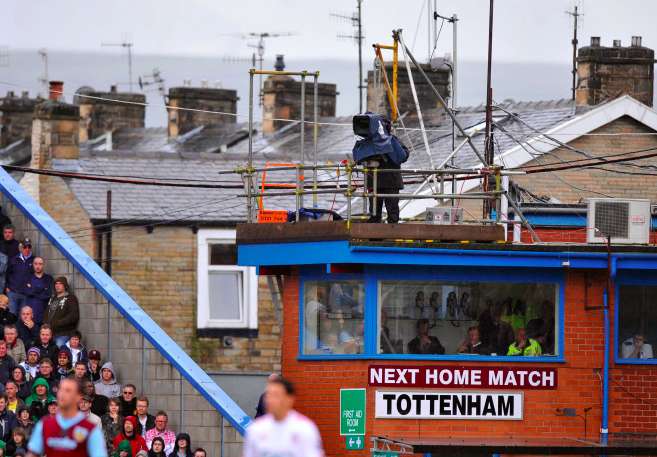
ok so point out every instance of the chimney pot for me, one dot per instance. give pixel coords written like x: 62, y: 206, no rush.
x: 595, y: 41
x: 617, y: 43
x: 56, y: 90
x: 636, y: 41
x: 10, y: 94
x: 280, y: 63
x: 113, y: 88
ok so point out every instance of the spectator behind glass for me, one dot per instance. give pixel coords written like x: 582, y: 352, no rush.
x: 19, y: 272
x: 523, y: 345
x: 473, y: 344
x: 63, y: 312
x: 146, y: 421
x: 28, y: 329
x: 93, y: 366
x: 108, y: 386
x: 39, y: 289
x: 183, y: 447
x: 31, y: 365
x: 6, y: 316
x: 495, y: 334
x: 160, y: 430
x: 9, y: 245
x: 7, y: 364
x: 128, y: 400
x: 424, y: 343
x: 46, y: 345
x: 636, y: 348
x: 112, y: 422
x: 77, y: 352
x: 15, y: 346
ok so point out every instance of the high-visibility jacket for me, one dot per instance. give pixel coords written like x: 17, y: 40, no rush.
x: 532, y: 349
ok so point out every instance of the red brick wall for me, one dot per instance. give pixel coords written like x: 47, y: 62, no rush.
x: 633, y: 391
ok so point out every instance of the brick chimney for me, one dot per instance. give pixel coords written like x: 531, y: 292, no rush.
x: 377, y: 98
x: 16, y: 117
x: 201, y: 99
x: 102, y: 112
x: 605, y: 73
x: 282, y: 99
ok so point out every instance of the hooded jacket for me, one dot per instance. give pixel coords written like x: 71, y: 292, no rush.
x: 152, y: 453
x: 123, y: 446
x: 63, y: 314
x: 188, y: 451
x: 39, y: 407
x: 111, y: 389
x: 137, y: 442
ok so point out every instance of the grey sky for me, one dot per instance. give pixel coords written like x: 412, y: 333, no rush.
x: 525, y: 30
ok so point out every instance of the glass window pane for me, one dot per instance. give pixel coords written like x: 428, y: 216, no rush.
x: 225, y: 295
x: 451, y: 317
x: 222, y: 254
x: 333, y: 317
x: 637, y: 321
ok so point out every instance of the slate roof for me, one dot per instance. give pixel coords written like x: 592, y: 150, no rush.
x: 203, y: 152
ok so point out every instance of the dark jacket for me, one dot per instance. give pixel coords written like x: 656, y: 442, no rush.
x: 100, y: 405
x: 414, y: 346
x: 29, y: 336
x: 150, y: 423
x: 110, y: 429
x: 7, y: 424
x: 260, y: 409
x: 82, y: 355
x: 9, y: 248
x: 385, y: 180
x: 182, y: 436
x: 128, y: 407
x: 63, y: 314
x: 7, y: 365
x: 19, y: 272
x: 51, y: 351
x: 6, y: 318
x: 38, y: 293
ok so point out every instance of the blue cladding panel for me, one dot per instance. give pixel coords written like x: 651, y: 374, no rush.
x: 194, y: 374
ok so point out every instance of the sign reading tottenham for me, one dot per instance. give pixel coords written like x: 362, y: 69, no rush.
x: 462, y: 377
x: 448, y: 405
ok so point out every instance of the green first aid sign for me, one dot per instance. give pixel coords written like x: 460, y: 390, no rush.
x: 355, y: 443
x: 352, y: 412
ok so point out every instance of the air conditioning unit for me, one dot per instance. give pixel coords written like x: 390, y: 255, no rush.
x: 625, y: 221
x: 444, y: 215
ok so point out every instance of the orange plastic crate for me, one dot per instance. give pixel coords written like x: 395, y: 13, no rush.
x: 271, y: 216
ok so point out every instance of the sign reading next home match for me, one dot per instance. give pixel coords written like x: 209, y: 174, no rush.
x: 448, y: 405
x: 438, y: 377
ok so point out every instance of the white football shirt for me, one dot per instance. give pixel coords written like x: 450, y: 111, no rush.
x: 294, y: 436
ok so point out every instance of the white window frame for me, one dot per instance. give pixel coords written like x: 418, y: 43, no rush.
x: 249, y: 292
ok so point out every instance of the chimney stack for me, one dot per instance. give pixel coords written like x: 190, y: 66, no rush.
x: 56, y: 90
x: 199, y: 100
x: 16, y: 117
x: 102, y: 112
x: 605, y: 73
x: 282, y: 99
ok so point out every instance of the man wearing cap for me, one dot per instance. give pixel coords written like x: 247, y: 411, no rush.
x: 31, y: 364
x: 38, y: 289
x: 85, y: 408
x: 93, y: 366
x: 19, y: 272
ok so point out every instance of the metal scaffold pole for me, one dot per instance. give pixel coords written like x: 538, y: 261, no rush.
x: 249, y: 176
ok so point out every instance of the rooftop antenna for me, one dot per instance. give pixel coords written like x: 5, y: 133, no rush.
x: 489, y: 153
x: 356, y: 21
x: 153, y: 79
x: 128, y: 46
x: 43, y: 79
x: 575, y: 14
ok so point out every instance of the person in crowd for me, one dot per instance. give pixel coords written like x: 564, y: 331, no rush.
x: 80, y: 371
x: 47, y: 373
x: 157, y: 448
x: 14, y: 402
x: 9, y: 245
x: 15, y: 347
x: 146, y: 421
x: 52, y: 407
x: 63, y: 312
x: 6, y: 316
x: 31, y: 364
x: 99, y: 403
x: 523, y: 345
x: 496, y: 334
x: 169, y: 437
x: 19, y: 377
x: 68, y: 421
x: 38, y: 289
x: 28, y: 329
x: 260, y: 409
x: 17, y: 442
x: 183, y: 447
x: 24, y: 420
x: 112, y: 422
x: 7, y: 419
x: 473, y: 344
x: 46, y: 344
x: 93, y: 366
x: 128, y: 400
x: 75, y: 348
x: 387, y: 344
x: 142, y: 454
x: 636, y: 348
x: 200, y: 452
x: 38, y: 401
x: 108, y: 386
x: 85, y: 408
x: 64, y: 367
x: 129, y: 432
x: 19, y: 272
x: 7, y: 364
x: 282, y: 428
x: 424, y: 343
x: 541, y: 327
x: 124, y: 449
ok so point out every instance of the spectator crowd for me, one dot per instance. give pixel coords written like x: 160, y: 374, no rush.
x: 40, y: 345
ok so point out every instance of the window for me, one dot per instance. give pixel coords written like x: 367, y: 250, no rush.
x: 227, y: 293
x: 452, y: 317
x: 637, y: 321
x: 333, y: 317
